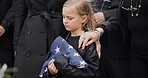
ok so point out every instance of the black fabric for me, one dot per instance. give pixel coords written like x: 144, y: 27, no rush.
x: 7, y: 56
x: 113, y: 68
x: 138, y: 67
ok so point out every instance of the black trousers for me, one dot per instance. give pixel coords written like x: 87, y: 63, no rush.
x: 113, y: 67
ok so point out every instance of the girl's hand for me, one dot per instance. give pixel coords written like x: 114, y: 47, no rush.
x: 51, y: 67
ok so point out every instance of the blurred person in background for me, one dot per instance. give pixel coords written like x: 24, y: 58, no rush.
x: 7, y: 16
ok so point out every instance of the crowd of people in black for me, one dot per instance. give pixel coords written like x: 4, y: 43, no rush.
x: 110, y: 35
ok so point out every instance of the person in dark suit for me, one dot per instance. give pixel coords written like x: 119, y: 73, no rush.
x: 7, y: 13
x: 132, y: 17
x: 131, y: 21
x: 114, y: 61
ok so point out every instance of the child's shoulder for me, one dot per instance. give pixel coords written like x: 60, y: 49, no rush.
x: 92, y: 45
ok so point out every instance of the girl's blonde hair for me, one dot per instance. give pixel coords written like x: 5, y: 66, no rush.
x: 83, y: 8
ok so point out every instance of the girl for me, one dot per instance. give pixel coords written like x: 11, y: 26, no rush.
x: 77, y: 18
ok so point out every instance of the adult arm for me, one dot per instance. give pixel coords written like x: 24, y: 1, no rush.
x: 8, y: 21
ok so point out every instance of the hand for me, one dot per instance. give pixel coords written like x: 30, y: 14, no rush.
x: 51, y: 67
x: 88, y: 38
x: 99, y: 18
x: 2, y: 30
x: 98, y: 48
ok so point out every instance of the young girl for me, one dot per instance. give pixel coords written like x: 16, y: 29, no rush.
x: 77, y: 18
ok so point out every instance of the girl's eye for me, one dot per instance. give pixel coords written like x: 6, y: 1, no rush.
x: 70, y: 18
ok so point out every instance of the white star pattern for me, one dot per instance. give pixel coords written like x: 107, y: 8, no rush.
x: 82, y: 63
x: 57, y: 50
x: 63, y: 40
x: 76, y: 54
x: 70, y: 47
x: 45, y: 70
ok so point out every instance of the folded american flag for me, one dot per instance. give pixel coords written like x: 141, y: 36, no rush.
x: 61, y: 46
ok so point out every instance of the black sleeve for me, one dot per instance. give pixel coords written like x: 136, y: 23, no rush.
x: 91, y: 58
x: 21, y: 13
x: 109, y: 13
x: 114, y: 4
x: 112, y: 24
x: 8, y: 20
x: 111, y: 17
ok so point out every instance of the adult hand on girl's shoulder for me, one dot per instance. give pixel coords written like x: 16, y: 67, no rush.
x: 88, y: 38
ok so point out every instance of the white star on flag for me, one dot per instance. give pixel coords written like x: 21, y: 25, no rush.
x: 57, y: 50
x: 82, y: 62
x: 46, y: 69
x: 76, y: 54
x: 63, y: 40
x: 70, y: 47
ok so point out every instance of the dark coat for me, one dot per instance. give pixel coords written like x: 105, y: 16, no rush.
x: 114, y: 45
x: 37, y: 23
x: 120, y: 48
x: 6, y: 40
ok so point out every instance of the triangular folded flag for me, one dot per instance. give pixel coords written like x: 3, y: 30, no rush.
x: 61, y: 46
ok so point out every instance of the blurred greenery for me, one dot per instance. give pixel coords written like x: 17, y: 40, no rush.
x: 9, y: 71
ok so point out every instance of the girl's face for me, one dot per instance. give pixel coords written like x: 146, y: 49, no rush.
x: 72, y: 21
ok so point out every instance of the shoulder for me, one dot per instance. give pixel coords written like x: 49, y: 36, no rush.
x: 91, y: 46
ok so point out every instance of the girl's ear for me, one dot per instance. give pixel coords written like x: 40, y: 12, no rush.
x: 84, y: 18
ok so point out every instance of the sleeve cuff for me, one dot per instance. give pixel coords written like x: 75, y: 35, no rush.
x: 6, y: 25
x: 105, y: 26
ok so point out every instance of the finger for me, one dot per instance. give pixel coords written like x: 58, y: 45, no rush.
x: 81, y: 40
x: 56, y: 71
x: 85, y: 42
x: 98, y: 48
x: 50, y: 67
x: 50, y: 62
x: 90, y: 42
